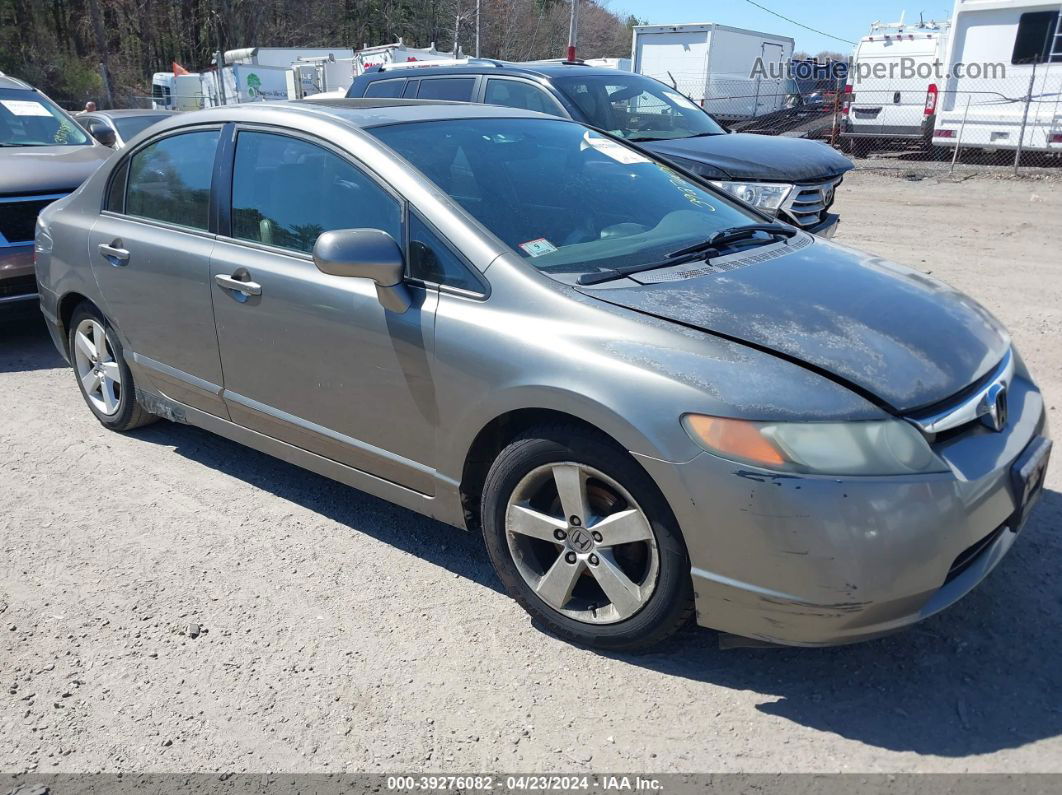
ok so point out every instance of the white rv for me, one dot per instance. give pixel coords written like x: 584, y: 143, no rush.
x: 893, y: 85
x: 988, y: 111
x: 732, y: 73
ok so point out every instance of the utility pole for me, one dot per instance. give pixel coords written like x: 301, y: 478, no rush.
x: 477, y: 28
x: 101, y: 46
x: 457, y: 27
x: 219, y: 61
x: 573, y: 30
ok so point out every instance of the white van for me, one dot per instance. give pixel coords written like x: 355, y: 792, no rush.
x: 892, y: 86
x: 1025, y: 38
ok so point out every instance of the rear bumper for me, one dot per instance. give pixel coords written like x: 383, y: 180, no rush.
x: 922, y: 131
x: 816, y: 561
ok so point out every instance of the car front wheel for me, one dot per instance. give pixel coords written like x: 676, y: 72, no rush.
x: 584, y: 541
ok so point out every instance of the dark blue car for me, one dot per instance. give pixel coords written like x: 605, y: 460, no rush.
x: 791, y: 178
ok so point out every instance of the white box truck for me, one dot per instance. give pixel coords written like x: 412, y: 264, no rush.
x: 399, y: 52
x: 250, y: 74
x: 733, y: 73
x: 987, y: 110
x: 893, y: 87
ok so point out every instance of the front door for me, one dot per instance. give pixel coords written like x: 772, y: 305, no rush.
x: 309, y: 358
x: 150, y: 253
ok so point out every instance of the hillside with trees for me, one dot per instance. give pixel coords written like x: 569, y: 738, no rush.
x: 59, y: 45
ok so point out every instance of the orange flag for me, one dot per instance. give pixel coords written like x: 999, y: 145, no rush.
x: 179, y: 70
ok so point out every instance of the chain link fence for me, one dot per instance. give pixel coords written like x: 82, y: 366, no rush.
x: 1007, y: 117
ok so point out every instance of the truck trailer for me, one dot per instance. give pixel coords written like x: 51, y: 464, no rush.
x: 733, y: 73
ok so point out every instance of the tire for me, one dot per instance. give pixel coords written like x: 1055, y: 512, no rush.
x: 861, y: 147
x: 521, y: 490
x: 113, y: 397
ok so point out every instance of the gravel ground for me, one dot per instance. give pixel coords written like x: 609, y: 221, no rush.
x: 170, y: 601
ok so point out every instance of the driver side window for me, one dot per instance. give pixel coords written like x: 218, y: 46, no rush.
x: 287, y: 191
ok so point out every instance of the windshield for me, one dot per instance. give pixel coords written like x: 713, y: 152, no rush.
x: 636, y: 107
x: 30, y: 119
x: 130, y: 126
x: 569, y: 200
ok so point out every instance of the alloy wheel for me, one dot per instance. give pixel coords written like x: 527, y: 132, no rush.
x: 100, y: 375
x: 582, y: 543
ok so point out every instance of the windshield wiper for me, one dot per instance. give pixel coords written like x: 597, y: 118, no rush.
x: 734, y: 234
x: 619, y: 273
x: 704, y: 250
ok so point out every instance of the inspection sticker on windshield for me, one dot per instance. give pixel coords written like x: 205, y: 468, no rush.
x: 613, y: 149
x: 25, y: 107
x: 538, y: 247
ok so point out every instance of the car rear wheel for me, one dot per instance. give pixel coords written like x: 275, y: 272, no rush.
x: 861, y: 147
x: 583, y: 540
x: 102, y: 374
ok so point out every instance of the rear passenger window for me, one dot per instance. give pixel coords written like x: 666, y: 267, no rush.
x: 431, y: 260
x: 458, y: 89
x: 169, y: 180
x: 116, y: 191
x: 518, y: 94
x: 385, y: 88
x: 286, y: 192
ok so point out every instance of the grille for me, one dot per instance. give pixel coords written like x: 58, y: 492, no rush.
x: 18, y: 218
x: 969, y: 555
x: 20, y: 285
x: 808, y: 202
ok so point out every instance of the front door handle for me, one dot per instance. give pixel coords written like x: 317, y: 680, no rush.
x: 114, y: 253
x: 230, y: 283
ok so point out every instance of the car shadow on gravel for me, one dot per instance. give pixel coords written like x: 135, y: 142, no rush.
x: 25, y: 346
x: 982, y: 676
x: 459, y: 552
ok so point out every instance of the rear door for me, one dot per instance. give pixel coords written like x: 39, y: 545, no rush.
x: 309, y: 358
x: 150, y: 253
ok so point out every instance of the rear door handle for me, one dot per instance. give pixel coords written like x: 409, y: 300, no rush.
x: 230, y: 283
x: 114, y: 253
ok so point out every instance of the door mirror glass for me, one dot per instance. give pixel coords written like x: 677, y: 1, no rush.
x: 367, y: 254
x: 102, y: 133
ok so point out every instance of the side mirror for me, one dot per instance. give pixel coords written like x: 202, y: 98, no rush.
x: 366, y: 254
x: 102, y: 133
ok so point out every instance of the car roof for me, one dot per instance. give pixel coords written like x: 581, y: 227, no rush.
x: 6, y: 81
x: 125, y: 113
x: 547, y: 69
x: 356, y: 113
x: 374, y: 112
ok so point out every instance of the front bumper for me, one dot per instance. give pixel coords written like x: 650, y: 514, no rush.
x: 827, y: 227
x: 814, y: 561
x: 18, y: 285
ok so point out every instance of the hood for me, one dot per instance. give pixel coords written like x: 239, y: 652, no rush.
x: 888, y: 332
x: 48, y: 169
x: 754, y: 157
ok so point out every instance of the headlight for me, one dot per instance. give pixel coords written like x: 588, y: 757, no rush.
x: 887, y: 447
x: 763, y: 195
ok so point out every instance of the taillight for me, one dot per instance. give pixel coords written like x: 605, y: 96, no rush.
x: 931, y: 100
x: 1056, y: 138
x: 849, y: 98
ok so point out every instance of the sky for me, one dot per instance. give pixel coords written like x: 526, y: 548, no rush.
x: 846, y: 19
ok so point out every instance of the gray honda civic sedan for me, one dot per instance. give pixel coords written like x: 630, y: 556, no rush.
x: 650, y: 399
